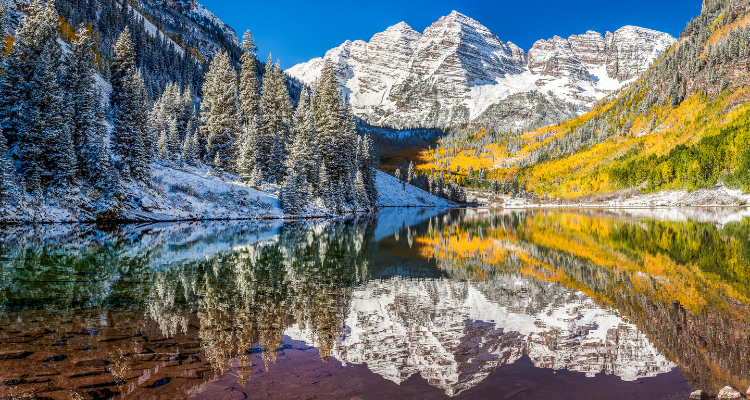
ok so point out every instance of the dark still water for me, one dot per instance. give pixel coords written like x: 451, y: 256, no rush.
x: 417, y: 304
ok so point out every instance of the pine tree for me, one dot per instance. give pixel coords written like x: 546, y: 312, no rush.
x: 290, y: 198
x: 101, y: 173
x: 30, y: 129
x: 361, y: 192
x: 57, y: 152
x: 249, y: 87
x: 129, y: 102
x: 190, y: 150
x: 219, y: 112
x: 274, y: 124
x: 266, y: 126
x: 162, y: 145
x: 329, y: 123
x: 368, y: 166
x: 82, y: 98
x: 7, y: 171
x: 302, y: 160
x: 347, y: 150
x: 4, y: 27
x: 246, y: 158
x: 123, y: 66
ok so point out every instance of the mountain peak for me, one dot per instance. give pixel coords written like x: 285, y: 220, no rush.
x: 401, y: 27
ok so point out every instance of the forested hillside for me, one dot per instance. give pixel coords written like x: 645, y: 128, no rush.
x: 682, y: 125
x: 90, y: 117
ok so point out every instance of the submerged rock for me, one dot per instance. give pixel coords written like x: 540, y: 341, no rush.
x: 699, y: 395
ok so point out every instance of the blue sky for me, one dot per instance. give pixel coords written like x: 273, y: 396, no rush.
x: 296, y: 31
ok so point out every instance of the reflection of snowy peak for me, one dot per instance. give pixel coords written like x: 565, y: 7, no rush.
x: 455, y: 336
x: 457, y: 69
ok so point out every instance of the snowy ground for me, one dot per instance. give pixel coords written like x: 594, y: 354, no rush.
x: 719, y: 196
x: 394, y: 193
x: 198, y: 193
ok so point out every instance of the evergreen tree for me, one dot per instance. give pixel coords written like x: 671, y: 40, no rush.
x: 219, y: 112
x: 274, y: 124
x: 361, y: 192
x: 4, y: 26
x: 368, y: 166
x: 290, y: 198
x: 56, y: 161
x: 82, y: 99
x: 29, y: 129
x: 302, y: 160
x: 246, y: 158
x: 249, y: 87
x: 190, y: 146
x: 101, y: 173
x: 129, y: 102
x: 7, y: 171
x: 328, y: 124
x: 123, y: 66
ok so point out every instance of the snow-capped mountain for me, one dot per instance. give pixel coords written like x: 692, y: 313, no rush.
x: 454, y: 334
x: 457, y: 70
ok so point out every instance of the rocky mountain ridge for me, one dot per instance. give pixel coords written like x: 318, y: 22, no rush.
x: 457, y: 69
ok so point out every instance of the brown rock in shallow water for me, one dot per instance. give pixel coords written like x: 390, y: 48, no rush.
x: 727, y: 393
x: 699, y: 395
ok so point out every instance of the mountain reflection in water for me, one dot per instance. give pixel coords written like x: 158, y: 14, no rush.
x: 165, y: 311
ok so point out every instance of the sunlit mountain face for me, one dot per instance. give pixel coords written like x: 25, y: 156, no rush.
x: 452, y: 301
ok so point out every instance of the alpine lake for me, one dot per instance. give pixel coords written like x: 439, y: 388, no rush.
x: 410, y: 303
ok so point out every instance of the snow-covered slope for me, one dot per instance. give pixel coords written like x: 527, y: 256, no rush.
x: 395, y: 193
x: 457, y: 70
x: 190, y: 193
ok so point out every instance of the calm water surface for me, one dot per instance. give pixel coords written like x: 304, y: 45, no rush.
x: 415, y: 304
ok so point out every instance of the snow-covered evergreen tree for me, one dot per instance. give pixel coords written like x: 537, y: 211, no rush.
x: 302, y: 160
x: 82, y: 99
x: 291, y: 198
x: 129, y: 102
x: 219, y: 112
x: 360, y: 192
x: 328, y: 124
x: 249, y: 87
x: 57, y: 160
x: 123, y: 66
x: 368, y: 165
x: 191, y: 144
x: 246, y: 164
x: 274, y: 124
x: 7, y: 172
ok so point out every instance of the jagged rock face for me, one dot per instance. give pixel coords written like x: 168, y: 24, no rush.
x: 630, y: 51
x: 589, y: 48
x: 457, y: 69
x: 555, y: 58
x: 625, y: 53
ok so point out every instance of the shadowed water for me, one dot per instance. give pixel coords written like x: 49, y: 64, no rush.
x: 410, y: 303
